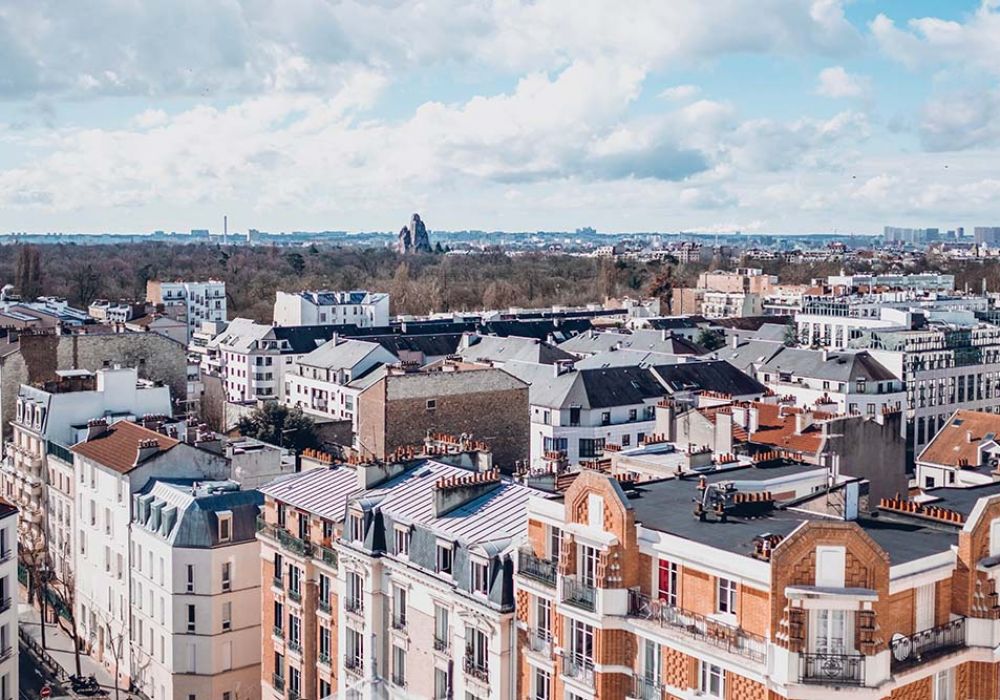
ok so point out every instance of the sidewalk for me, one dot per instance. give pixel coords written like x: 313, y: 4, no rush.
x: 59, y: 646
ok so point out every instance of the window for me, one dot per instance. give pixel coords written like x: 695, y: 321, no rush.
x: 626, y: 440
x: 550, y: 444
x: 591, y: 447
x: 190, y: 578
x: 294, y: 682
x: 666, y: 583
x: 726, y: 596
x: 355, y: 590
x: 542, y: 685
x: 432, y: 404
x: 831, y: 632
x: 225, y: 527
x: 480, y: 577
x: 294, y: 630
x: 325, y: 690
x: 324, y: 644
x: 606, y: 418
x: 444, y: 558
x: 227, y: 616
x: 279, y: 618
x: 399, y: 607
x: 442, y: 684
x: 355, y: 649
x: 587, y: 565
x: 944, y: 685
x: 323, y: 593
x: 574, y: 415
x: 303, y: 521
x: 294, y: 580
x: 281, y: 515
x: 651, y: 662
x: 398, y: 665
x: 227, y: 576
x: 477, y: 650
x: 441, y: 635
x: 278, y: 564
x: 711, y: 680
x: 356, y: 528
x: 190, y: 619
x: 633, y: 414
x: 403, y: 541
x: 555, y: 542
x: 581, y: 642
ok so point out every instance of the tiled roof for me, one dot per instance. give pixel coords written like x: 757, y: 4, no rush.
x: 118, y: 447
x: 777, y: 427
x: 959, y: 441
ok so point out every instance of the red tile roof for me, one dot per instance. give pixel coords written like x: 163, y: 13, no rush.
x: 776, y: 426
x: 958, y: 442
x: 118, y: 447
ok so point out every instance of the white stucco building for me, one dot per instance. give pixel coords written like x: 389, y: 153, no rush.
x: 195, y: 575
x: 192, y: 302
x: 309, y: 308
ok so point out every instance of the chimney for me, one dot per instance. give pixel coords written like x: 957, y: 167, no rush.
x: 753, y: 420
x: 734, y: 341
x: 803, y: 421
x: 826, y: 354
x: 146, y: 449
x: 96, y: 427
x: 455, y: 491
x: 968, y: 436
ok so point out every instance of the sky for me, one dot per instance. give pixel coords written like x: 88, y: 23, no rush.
x: 786, y: 116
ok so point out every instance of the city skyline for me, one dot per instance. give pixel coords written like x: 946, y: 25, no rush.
x: 783, y: 117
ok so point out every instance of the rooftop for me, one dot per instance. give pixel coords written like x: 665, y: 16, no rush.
x: 120, y: 446
x: 962, y: 438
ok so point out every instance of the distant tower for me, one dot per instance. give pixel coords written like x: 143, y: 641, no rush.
x: 225, y: 228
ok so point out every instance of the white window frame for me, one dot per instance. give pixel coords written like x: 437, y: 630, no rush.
x: 725, y: 595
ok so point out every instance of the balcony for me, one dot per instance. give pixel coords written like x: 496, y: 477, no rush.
x: 277, y: 582
x: 278, y: 682
x: 324, y: 606
x: 399, y: 622
x: 295, y: 647
x: 354, y: 605
x: 328, y: 556
x: 647, y: 689
x: 295, y: 594
x: 579, y: 667
x: 927, y: 644
x: 279, y: 632
x: 355, y: 665
x: 440, y: 644
x: 579, y: 594
x: 476, y: 668
x: 540, y: 641
x: 536, y: 568
x: 832, y: 669
x: 325, y: 659
x: 283, y: 538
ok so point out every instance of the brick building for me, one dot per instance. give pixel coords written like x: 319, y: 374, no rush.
x: 634, y: 591
x: 399, y: 406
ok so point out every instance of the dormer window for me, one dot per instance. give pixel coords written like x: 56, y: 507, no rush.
x: 402, y: 541
x: 225, y: 527
x: 356, y: 527
x: 480, y: 571
x: 443, y: 561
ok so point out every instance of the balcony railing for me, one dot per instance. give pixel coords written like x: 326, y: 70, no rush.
x: 323, y: 605
x: 279, y: 632
x: 354, y: 664
x: 476, y: 668
x: 541, y: 570
x: 927, y: 644
x: 579, y: 667
x: 325, y: 659
x: 579, y: 594
x: 398, y: 621
x: 328, y: 556
x: 540, y: 640
x: 277, y: 582
x: 278, y: 682
x: 440, y: 644
x: 647, y: 688
x: 295, y: 594
x: 354, y: 605
x: 284, y: 538
x: 833, y: 669
x: 294, y: 646
x: 719, y: 634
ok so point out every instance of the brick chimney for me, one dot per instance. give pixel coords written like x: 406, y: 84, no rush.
x: 96, y: 427
x: 455, y: 491
x: 146, y: 449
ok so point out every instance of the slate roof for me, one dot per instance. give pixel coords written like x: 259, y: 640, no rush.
x: 343, y: 354
x: 843, y: 366
x: 749, y: 353
x: 197, y: 505
x: 648, y: 340
x: 118, y: 447
x: 320, y: 491
x: 710, y: 375
x: 596, y: 388
x: 440, y: 345
x: 512, y: 348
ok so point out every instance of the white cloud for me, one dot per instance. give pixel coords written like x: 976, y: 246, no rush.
x: 681, y: 92
x: 971, y: 44
x: 835, y: 82
x: 961, y: 121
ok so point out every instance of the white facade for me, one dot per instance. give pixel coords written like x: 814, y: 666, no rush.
x: 194, y: 302
x: 311, y: 308
x: 581, y: 433
x: 8, y: 602
x: 38, y: 471
x: 195, y: 604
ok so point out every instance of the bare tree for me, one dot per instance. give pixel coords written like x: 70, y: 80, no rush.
x: 65, y: 587
x: 35, y: 559
x: 115, y: 643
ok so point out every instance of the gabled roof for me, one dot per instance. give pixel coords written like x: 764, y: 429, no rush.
x: 596, y: 388
x: 323, y: 492
x: 118, y: 446
x: 749, y: 353
x: 844, y: 366
x: 959, y: 441
x: 512, y: 349
x: 339, y: 354
x: 648, y: 340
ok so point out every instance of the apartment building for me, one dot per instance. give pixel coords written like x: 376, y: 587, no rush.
x: 38, y: 470
x: 963, y: 453
x: 837, y: 382
x: 391, y: 581
x: 111, y: 463
x: 747, y: 280
x: 320, y: 382
x: 706, y: 587
x: 8, y: 601
x: 945, y: 367
x: 191, y: 302
x: 195, y: 580
x: 311, y: 308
